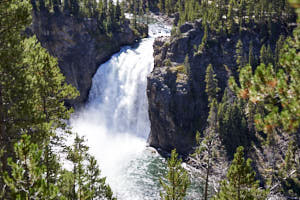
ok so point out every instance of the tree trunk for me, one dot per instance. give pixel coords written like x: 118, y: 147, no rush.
x: 239, y: 189
x: 1, y: 125
x: 2, y: 142
x: 206, y: 180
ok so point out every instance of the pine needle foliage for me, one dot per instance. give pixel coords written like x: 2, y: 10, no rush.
x: 177, y: 180
x: 240, y: 183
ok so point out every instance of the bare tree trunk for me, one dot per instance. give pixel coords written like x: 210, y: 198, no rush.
x: 2, y: 127
x: 206, y: 181
x: 3, y: 135
x: 2, y: 143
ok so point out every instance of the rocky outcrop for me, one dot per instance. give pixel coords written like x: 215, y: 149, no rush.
x: 176, y: 92
x: 79, y: 46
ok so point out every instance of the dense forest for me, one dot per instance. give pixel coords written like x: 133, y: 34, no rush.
x: 109, y: 16
x: 262, y: 101
x: 33, y: 117
x: 260, y: 106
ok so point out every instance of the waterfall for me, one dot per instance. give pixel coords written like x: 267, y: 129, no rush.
x: 116, y: 125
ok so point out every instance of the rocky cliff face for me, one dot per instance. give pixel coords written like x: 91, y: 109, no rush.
x: 176, y: 93
x: 79, y: 46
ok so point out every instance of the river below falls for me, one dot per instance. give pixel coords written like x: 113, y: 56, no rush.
x: 116, y: 125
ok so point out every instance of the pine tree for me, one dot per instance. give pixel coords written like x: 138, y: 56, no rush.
x: 84, y: 181
x: 209, y: 147
x: 279, y: 46
x: 251, y: 59
x: 96, y: 186
x: 250, y: 12
x: 32, y: 89
x: 15, y: 16
x: 32, y: 95
x: 212, y: 88
x: 242, y: 13
x: 241, y: 182
x: 26, y: 180
x: 2, y: 184
x: 168, y: 6
x: 240, y: 58
x: 232, y: 123
x: 66, y: 185
x: 230, y: 17
x: 263, y: 55
x: 204, y: 38
x: 177, y: 180
x: 48, y: 110
x: 270, y: 56
x: 278, y: 92
x: 77, y: 154
x: 161, y: 5
x: 289, y: 172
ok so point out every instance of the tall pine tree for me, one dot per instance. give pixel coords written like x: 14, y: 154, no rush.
x: 241, y: 182
x: 177, y: 180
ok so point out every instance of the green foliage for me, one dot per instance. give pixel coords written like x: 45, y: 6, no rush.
x: 241, y: 182
x: 251, y: 58
x: 295, y: 4
x: 2, y: 184
x: 77, y: 154
x: 278, y: 92
x: 177, y: 180
x: 26, y: 180
x: 232, y: 123
x: 204, y: 39
x: 212, y: 88
x: 179, y: 69
x: 109, y: 17
x: 266, y: 55
x: 209, y: 147
x: 181, y: 72
x: 240, y: 57
x: 168, y: 63
x: 96, y: 186
x: 288, y: 173
x: 230, y: 16
x: 65, y: 185
x: 32, y: 95
x: 15, y: 16
x: 84, y: 182
x: 274, y: 88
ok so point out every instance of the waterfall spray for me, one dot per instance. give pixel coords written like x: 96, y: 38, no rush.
x: 116, y: 124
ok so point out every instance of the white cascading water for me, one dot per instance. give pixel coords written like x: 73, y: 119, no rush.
x: 116, y: 125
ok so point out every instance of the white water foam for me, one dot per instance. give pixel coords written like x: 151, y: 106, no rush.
x: 116, y: 124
